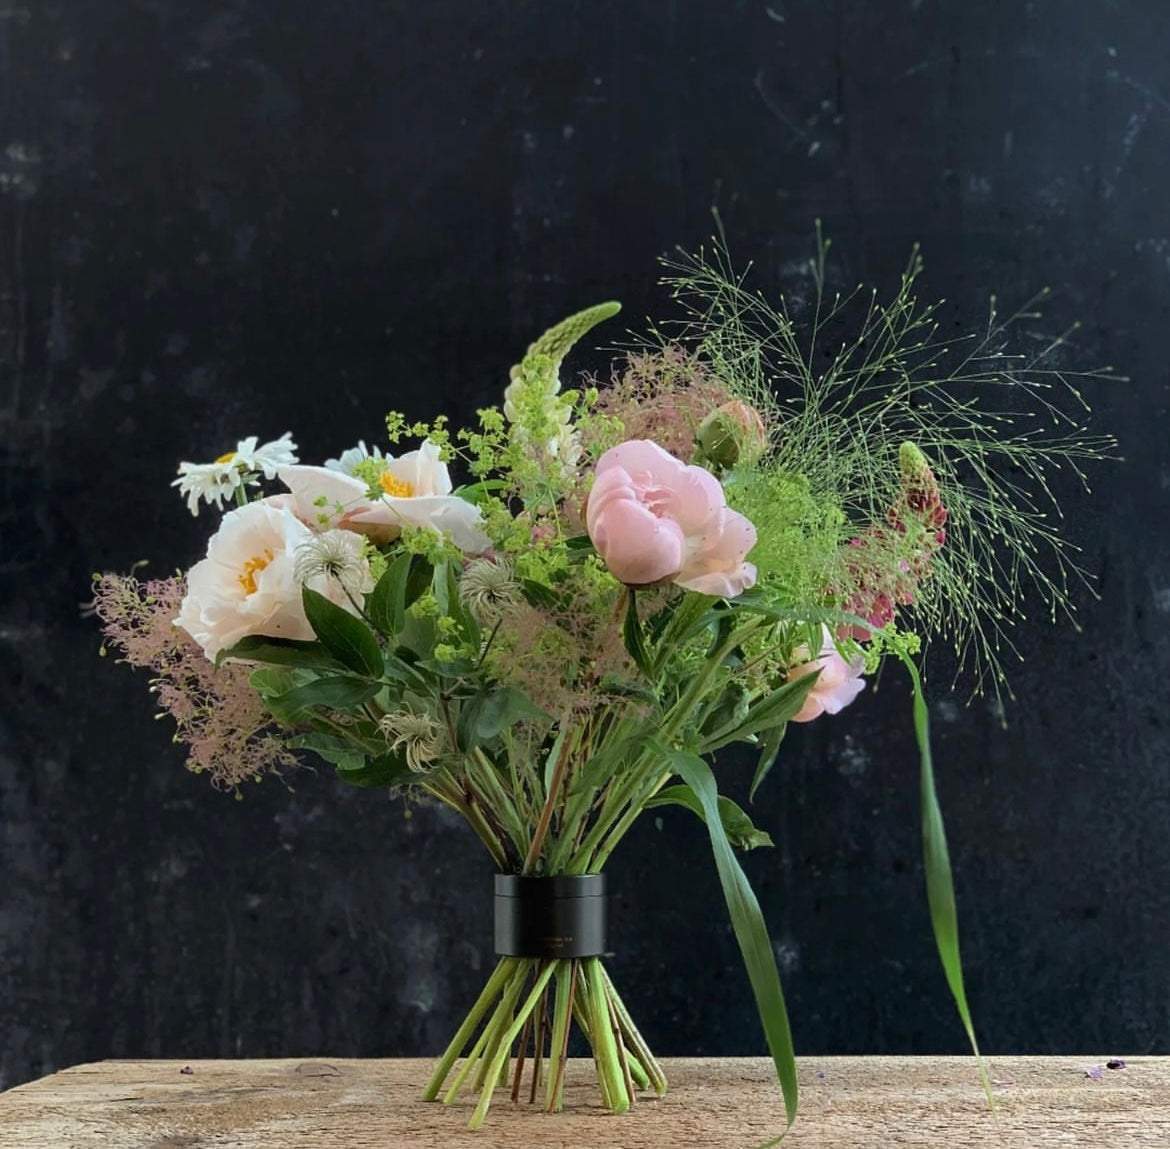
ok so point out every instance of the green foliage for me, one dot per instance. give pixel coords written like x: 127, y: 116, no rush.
x: 747, y: 921
x: 346, y: 638
x: 738, y: 827
x: 940, y: 886
x: 280, y: 652
x: 846, y: 377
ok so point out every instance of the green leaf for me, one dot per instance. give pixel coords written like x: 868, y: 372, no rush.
x: 538, y: 595
x: 485, y: 715
x: 480, y: 493
x: 385, y: 771
x: 332, y: 748
x: 774, y: 709
x: 635, y: 640
x: 272, y: 680
x: 338, y: 693
x: 738, y: 827
x: 405, y: 671
x: 345, y: 636
x: 407, y: 577
x: 748, y: 923
x: 771, y: 748
x: 447, y: 595
x: 385, y: 605
x: 582, y: 543
x: 603, y: 765
x: 940, y: 886
x: 729, y: 711
x: 280, y: 652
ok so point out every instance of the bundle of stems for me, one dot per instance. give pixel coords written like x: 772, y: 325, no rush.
x: 525, y: 1012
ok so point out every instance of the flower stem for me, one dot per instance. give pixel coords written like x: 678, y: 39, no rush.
x: 635, y: 1040
x: 503, y: 1048
x: 562, y: 1010
x: 541, y: 831
x: 504, y: 969
x: 485, y: 1043
x: 605, y: 1048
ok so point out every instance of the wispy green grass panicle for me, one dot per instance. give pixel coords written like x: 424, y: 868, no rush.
x: 844, y: 378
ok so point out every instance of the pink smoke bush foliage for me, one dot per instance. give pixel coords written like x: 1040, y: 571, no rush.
x: 219, y: 716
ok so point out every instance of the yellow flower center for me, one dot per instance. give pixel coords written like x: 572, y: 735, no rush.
x: 254, y: 565
x: 226, y: 458
x: 396, y: 488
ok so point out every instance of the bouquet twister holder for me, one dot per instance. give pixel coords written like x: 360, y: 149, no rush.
x: 550, y: 937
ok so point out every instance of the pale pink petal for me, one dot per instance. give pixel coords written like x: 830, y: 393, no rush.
x: 637, y: 547
x: 722, y: 584
x: 693, y: 500
x: 645, y: 460
x: 375, y: 520
x: 812, y: 708
x: 723, y: 545
x: 839, y: 683
x: 653, y: 517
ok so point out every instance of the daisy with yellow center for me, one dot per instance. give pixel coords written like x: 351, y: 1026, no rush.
x: 234, y: 472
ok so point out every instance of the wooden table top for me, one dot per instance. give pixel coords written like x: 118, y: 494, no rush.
x: 728, y: 1103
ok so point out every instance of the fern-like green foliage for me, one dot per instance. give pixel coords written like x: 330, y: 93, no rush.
x: 844, y: 378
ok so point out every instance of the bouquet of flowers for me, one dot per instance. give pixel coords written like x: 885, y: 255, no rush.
x: 729, y: 537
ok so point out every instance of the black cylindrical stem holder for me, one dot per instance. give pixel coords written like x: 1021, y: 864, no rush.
x: 559, y: 917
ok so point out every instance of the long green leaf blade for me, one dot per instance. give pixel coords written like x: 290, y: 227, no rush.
x: 747, y: 920
x: 940, y: 886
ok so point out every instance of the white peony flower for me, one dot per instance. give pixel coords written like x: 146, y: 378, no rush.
x: 219, y: 481
x: 350, y: 458
x: 416, y: 491
x: 248, y: 582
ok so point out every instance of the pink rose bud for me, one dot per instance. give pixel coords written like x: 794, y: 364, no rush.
x: 732, y: 435
x: 653, y: 518
x: 839, y: 683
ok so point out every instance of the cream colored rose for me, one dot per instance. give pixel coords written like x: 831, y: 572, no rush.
x: 247, y: 584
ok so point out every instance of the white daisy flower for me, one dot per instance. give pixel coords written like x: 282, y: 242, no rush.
x: 211, y: 482
x: 351, y: 458
x: 268, y: 458
x: 215, y: 482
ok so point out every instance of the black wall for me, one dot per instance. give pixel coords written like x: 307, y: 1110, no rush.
x: 226, y: 217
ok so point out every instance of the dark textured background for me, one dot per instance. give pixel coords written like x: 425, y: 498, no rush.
x: 224, y: 217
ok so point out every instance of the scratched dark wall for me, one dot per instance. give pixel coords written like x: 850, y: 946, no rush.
x: 237, y: 217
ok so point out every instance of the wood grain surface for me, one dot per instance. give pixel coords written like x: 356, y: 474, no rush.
x: 847, y: 1103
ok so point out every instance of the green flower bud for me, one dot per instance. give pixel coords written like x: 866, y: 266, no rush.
x: 732, y: 435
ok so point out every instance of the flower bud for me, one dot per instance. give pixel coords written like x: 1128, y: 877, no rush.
x: 732, y: 435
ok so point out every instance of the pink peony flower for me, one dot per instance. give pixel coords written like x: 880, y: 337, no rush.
x: 840, y: 681
x: 653, y: 518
